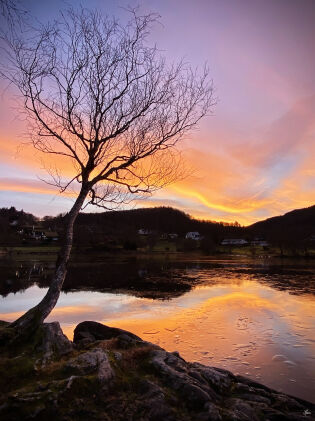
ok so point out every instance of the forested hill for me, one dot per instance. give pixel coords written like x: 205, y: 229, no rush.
x: 166, y: 219
x: 295, y: 229
x: 298, y: 224
x: 160, y: 219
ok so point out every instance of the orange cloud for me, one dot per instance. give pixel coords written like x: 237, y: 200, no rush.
x: 26, y: 186
x: 231, y: 178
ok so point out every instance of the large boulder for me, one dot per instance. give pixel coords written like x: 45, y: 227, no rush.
x: 93, y: 331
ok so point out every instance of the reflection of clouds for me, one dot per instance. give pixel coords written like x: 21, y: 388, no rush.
x: 101, y: 305
x: 233, y: 292
x: 240, y: 328
x: 237, y: 324
x: 22, y: 300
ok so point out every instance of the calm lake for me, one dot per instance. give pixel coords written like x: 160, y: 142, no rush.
x: 253, y: 317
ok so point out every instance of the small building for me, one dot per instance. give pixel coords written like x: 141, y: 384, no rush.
x: 50, y: 235
x: 257, y: 241
x: 33, y: 233
x: 38, y: 235
x: 29, y: 232
x: 143, y: 231
x: 234, y: 242
x: 193, y: 235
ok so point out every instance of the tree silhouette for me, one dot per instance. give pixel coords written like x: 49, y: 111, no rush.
x: 98, y: 96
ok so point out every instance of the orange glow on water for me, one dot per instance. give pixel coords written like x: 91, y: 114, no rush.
x: 230, y: 322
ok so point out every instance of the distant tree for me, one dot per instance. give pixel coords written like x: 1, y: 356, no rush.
x: 98, y: 96
x: 207, y: 245
x: 151, y: 240
x: 189, y: 245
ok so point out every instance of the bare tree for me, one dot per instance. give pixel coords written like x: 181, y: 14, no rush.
x: 12, y: 14
x: 95, y: 93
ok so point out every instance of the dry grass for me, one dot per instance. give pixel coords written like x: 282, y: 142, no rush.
x: 133, y: 357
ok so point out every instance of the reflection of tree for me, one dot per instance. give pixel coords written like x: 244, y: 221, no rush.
x: 17, y: 278
x: 129, y: 279
x: 162, y: 279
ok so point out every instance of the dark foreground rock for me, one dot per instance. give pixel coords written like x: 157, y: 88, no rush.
x: 110, y: 374
x: 93, y: 331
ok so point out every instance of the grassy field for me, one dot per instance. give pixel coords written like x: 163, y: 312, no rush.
x: 163, y: 246
x: 32, y: 249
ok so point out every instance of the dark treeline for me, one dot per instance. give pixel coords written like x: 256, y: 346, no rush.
x: 9, y: 215
x: 123, y: 227
x: 293, y: 231
x: 158, y: 220
x: 157, y: 277
x: 10, y: 219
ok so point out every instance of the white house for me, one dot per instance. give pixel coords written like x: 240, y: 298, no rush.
x: 193, y: 235
x: 143, y: 231
x: 234, y: 242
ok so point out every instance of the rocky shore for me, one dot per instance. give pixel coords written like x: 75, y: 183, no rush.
x: 111, y: 374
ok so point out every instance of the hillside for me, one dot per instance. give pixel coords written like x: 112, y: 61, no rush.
x: 294, y: 229
x: 159, y: 220
x: 298, y: 224
x: 162, y: 219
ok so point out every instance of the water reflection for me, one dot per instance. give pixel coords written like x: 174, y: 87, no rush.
x: 158, y: 278
x: 256, y: 319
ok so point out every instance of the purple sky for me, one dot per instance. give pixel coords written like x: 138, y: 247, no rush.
x: 254, y: 157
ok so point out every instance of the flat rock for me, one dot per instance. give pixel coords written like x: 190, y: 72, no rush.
x: 90, y: 362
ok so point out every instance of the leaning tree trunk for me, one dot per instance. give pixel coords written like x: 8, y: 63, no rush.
x: 34, y: 317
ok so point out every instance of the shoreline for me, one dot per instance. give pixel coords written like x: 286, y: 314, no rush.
x: 41, y: 251
x: 109, y: 373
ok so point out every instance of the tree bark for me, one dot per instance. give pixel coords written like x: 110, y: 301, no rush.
x: 32, y: 319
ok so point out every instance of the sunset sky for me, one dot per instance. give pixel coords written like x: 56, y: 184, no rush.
x: 254, y: 157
